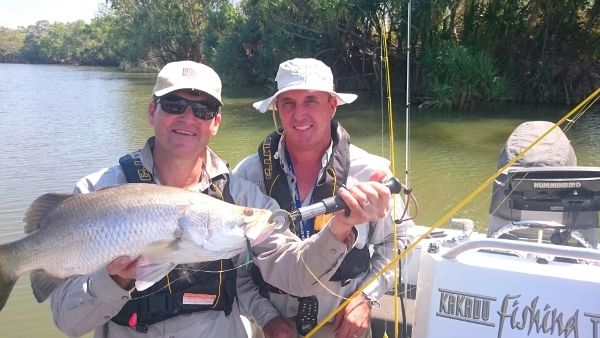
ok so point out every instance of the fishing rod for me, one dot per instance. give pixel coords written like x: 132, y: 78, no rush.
x: 326, y: 206
x: 393, y: 263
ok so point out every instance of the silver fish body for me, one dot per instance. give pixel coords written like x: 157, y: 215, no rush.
x: 164, y: 226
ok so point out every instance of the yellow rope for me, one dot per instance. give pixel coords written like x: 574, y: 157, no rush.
x: 169, y: 284
x: 450, y: 213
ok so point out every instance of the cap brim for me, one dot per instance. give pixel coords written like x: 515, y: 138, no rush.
x: 268, y: 103
x: 171, y: 89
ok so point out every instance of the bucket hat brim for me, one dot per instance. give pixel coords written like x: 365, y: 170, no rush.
x: 269, y: 103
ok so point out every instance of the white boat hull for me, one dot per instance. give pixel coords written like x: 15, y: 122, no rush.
x: 466, y: 293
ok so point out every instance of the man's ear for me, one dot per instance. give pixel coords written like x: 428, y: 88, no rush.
x: 152, y: 106
x: 333, y: 106
x: 216, y: 124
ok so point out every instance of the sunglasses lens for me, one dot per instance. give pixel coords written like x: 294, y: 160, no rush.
x: 173, y: 105
x: 204, y: 110
x: 177, y: 105
x: 207, y: 116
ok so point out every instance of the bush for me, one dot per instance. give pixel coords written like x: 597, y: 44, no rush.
x: 458, y: 77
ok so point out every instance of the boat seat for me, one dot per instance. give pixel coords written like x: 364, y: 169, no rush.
x: 554, y: 150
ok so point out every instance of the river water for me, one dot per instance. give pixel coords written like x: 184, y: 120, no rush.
x: 59, y: 123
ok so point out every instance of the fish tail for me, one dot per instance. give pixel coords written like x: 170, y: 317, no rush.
x: 7, y: 277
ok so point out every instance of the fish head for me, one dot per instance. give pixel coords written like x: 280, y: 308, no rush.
x: 222, y: 233
x: 259, y: 224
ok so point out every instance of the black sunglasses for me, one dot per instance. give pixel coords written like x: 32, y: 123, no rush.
x: 177, y: 105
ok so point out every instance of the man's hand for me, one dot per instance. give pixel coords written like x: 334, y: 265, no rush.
x: 122, y: 271
x: 278, y: 327
x: 367, y: 201
x: 353, y: 320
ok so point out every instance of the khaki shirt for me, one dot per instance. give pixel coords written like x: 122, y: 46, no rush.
x: 299, y: 276
x: 87, y: 303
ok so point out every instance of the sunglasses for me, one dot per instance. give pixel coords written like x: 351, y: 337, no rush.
x: 176, y: 105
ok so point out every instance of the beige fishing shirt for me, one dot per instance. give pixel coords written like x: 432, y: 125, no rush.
x: 297, y: 275
x: 87, y: 303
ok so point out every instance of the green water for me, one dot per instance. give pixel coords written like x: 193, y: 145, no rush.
x: 59, y: 123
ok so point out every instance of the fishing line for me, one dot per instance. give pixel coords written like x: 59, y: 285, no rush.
x: 192, y: 270
x: 454, y: 210
x: 577, y: 116
x: 570, y: 123
x: 385, y: 66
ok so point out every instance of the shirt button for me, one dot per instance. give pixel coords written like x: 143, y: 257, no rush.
x: 333, y: 251
x: 124, y: 297
x: 106, y: 317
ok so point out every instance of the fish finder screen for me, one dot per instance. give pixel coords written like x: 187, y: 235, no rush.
x: 562, y: 189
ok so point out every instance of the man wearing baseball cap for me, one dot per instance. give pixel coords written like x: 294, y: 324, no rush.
x: 185, y: 112
x: 307, y: 160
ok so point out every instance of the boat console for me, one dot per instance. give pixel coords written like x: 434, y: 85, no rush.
x: 554, y: 189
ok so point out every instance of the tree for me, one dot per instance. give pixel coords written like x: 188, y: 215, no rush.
x: 159, y: 31
x: 12, y: 42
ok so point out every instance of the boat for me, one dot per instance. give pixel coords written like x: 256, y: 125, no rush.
x: 534, y: 273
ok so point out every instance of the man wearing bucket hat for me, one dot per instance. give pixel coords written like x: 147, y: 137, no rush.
x: 307, y: 160
x: 185, y: 112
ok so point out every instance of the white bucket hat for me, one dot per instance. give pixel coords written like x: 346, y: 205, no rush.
x: 188, y: 75
x: 303, y: 74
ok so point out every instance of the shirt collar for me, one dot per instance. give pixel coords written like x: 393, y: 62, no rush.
x: 284, y: 160
x: 213, y: 165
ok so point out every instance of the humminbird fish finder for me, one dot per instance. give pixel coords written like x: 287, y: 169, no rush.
x: 559, y: 189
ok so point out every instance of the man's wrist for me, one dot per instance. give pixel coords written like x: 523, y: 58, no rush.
x: 340, y: 230
x: 124, y: 283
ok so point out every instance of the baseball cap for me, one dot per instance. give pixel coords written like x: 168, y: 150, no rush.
x: 188, y: 75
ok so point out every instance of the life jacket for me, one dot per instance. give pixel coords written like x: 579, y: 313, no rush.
x: 357, y: 261
x: 187, y: 288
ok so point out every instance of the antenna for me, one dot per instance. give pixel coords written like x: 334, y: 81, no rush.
x: 407, y: 142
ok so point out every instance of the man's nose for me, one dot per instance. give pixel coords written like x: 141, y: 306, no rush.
x: 188, y: 113
x: 299, y: 112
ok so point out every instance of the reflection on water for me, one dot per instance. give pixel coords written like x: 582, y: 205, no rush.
x: 59, y: 123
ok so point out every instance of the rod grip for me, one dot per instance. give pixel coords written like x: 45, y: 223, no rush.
x: 335, y: 203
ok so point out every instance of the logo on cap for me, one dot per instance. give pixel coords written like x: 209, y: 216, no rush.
x: 188, y: 72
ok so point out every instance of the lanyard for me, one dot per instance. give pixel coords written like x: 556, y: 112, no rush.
x: 306, y: 227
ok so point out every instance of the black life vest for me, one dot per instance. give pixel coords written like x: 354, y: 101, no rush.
x: 357, y: 261
x: 187, y: 288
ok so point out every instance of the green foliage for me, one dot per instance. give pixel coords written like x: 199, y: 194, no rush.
x: 11, y: 44
x: 71, y: 43
x: 342, y: 33
x: 460, y: 77
x: 462, y: 52
x: 160, y: 31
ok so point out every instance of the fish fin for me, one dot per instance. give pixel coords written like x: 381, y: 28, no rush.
x: 43, y: 284
x: 202, y: 254
x: 148, y: 273
x: 40, y: 208
x: 202, y: 250
x: 155, y: 263
x: 7, y: 280
x: 160, y: 251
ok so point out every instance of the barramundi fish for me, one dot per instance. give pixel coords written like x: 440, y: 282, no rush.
x: 164, y: 226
